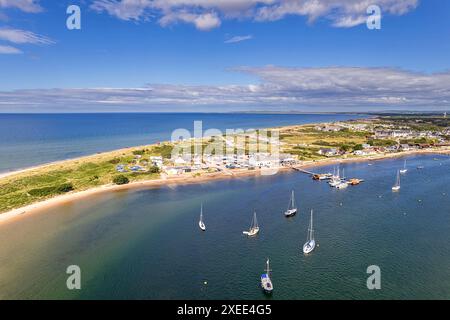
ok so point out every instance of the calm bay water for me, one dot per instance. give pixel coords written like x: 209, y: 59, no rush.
x: 32, y: 139
x: 145, y: 244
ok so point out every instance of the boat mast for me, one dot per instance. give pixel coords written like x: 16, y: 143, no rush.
x: 268, y: 268
x: 201, y: 212
x: 292, y: 199
x: 255, y: 222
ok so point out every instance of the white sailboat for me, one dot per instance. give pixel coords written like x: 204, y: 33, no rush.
x: 335, y: 179
x: 292, y: 209
x: 396, y: 186
x: 404, y: 170
x: 254, y: 227
x: 310, y: 242
x: 201, y: 224
x: 266, y: 282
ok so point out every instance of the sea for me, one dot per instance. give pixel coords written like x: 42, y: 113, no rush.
x: 146, y: 243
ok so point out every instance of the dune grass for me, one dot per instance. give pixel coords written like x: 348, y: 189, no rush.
x: 45, y: 182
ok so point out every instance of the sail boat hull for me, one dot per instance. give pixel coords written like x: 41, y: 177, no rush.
x: 201, y: 225
x: 403, y: 171
x: 252, y: 232
x: 396, y: 188
x: 266, y: 283
x: 290, y: 212
x: 309, y: 246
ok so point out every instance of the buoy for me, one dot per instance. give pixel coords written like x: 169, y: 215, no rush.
x: 205, y: 282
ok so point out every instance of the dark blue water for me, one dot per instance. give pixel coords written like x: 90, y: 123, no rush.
x: 146, y: 244
x: 30, y: 139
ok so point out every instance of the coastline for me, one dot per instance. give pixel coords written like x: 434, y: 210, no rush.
x: 34, y: 208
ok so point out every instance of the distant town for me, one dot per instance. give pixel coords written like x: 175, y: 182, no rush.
x: 305, y: 143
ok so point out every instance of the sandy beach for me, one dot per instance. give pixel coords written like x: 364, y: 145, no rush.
x: 35, y: 208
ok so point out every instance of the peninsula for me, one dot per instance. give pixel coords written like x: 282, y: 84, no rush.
x: 299, y: 146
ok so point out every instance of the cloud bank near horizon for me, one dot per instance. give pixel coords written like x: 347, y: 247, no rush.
x: 277, y: 88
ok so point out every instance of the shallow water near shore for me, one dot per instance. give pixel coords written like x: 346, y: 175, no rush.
x: 145, y: 244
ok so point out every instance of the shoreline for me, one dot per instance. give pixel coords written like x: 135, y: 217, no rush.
x: 22, y: 212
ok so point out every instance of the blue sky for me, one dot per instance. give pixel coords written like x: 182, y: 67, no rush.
x: 152, y: 55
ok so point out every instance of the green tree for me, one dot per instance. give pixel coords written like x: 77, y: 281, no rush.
x: 120, y: 179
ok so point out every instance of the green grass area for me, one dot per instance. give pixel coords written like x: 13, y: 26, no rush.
x: 74, y: 175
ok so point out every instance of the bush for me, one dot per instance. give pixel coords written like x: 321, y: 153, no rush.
x: 114, y: 161
x: 42, y: 192
x: 154, y: 169
x: 48, y: 191
x: 66, y: 187
x: 120, y: 179
x: 138, y: 152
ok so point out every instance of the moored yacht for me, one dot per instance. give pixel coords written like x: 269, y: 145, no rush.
x: 404, y: 170
x: 310, y: 244
x: 266, y: 282
x: 254, y: 227
x: 396, y: 186
x: 292, y: 209
x: 201, y: 224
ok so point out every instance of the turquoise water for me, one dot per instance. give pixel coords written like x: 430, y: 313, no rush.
x: 146, y: 244
x: 32, y: 139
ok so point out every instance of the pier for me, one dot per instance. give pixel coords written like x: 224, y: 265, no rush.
x: 304, y: 171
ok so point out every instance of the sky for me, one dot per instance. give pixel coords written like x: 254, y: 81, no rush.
x: 224, y: 55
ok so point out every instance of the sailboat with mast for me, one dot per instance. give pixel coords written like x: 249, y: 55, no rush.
x: 266, y: 282
x: 254, y: 227
x: 404, y: 170
x: 292, y: 209
x: 310, y: 244
x: 335, y: 179
x: 396, y: 186
x: 201, y: 224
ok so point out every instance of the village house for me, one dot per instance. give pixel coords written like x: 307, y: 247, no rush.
x: 328, y: 128
x: 328, y: 152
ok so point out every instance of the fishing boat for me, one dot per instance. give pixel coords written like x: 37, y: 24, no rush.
x: 404, y: 170
x: 266, y: 282
x: 310, y: 244
x: 292, y: 209
x: 201, y: 224
x: 396, y: 186
x: 254, y: 227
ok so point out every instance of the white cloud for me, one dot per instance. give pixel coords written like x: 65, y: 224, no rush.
x: 203, y: 22
x: 335, y: 88
x: 31, y: 6
x: 9, y: 50
x: 207, y: 14
x: 23, y: 36
x: 236, y: 39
